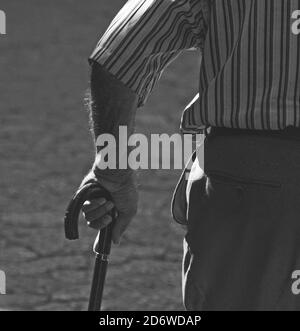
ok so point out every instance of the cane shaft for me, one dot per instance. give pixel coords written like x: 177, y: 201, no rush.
x: 102, y: 249
x: 98, y: 284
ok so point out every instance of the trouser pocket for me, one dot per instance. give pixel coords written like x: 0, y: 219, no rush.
x: 179, y: 205
x: 238, y: 240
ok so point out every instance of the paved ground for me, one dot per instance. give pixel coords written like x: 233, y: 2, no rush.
x: 46, y: 149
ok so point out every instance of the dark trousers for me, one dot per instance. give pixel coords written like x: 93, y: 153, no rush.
x: 243, y: 241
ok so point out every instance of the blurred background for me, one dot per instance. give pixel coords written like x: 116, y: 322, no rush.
x: 46, y: 149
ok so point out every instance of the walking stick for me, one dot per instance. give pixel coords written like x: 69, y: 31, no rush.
x: 102, y: 244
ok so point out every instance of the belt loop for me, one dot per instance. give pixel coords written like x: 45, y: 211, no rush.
x: 207, y: 131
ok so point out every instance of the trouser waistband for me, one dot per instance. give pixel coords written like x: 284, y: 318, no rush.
x: 290, y: 133
x: 253, y: 156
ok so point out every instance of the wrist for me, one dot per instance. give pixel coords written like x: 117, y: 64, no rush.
x: 114, y: 179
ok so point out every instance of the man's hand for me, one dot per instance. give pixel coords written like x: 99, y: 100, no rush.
x: 98, y: 212
x: 112, y: 104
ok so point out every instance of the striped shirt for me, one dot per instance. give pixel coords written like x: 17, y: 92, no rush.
x: 250, y: 69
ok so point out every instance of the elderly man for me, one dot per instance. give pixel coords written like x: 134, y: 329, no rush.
x: 242, y: 246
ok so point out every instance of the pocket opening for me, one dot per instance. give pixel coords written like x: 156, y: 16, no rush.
x: 235, y: 180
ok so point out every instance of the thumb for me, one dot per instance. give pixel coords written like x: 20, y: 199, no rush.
x: 119, y: 228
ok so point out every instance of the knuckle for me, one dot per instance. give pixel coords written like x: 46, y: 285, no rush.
x: 87, y: 203
x: 101, y: 222
x: 107, y: 219
x: 84, y: 208
x: 108, y: 207
x: 100, y: 201
x: 91, y: 225
x: 87, y: 217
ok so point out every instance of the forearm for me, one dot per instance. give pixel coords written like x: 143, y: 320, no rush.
x: 111, y: 105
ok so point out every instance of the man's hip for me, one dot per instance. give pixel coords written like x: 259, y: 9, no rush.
x: 243, y: 225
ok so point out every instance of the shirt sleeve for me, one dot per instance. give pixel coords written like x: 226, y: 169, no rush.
x: 146, y: 36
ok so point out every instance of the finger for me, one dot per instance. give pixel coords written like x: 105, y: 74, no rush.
x: 93, y: 204
x: 119, y: 228
x: 100, y: 223
x: 98, y: 212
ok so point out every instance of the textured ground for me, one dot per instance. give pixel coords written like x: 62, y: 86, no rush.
x: 45, y: 149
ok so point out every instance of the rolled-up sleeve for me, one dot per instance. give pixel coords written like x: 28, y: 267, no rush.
x: 146, y: 36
